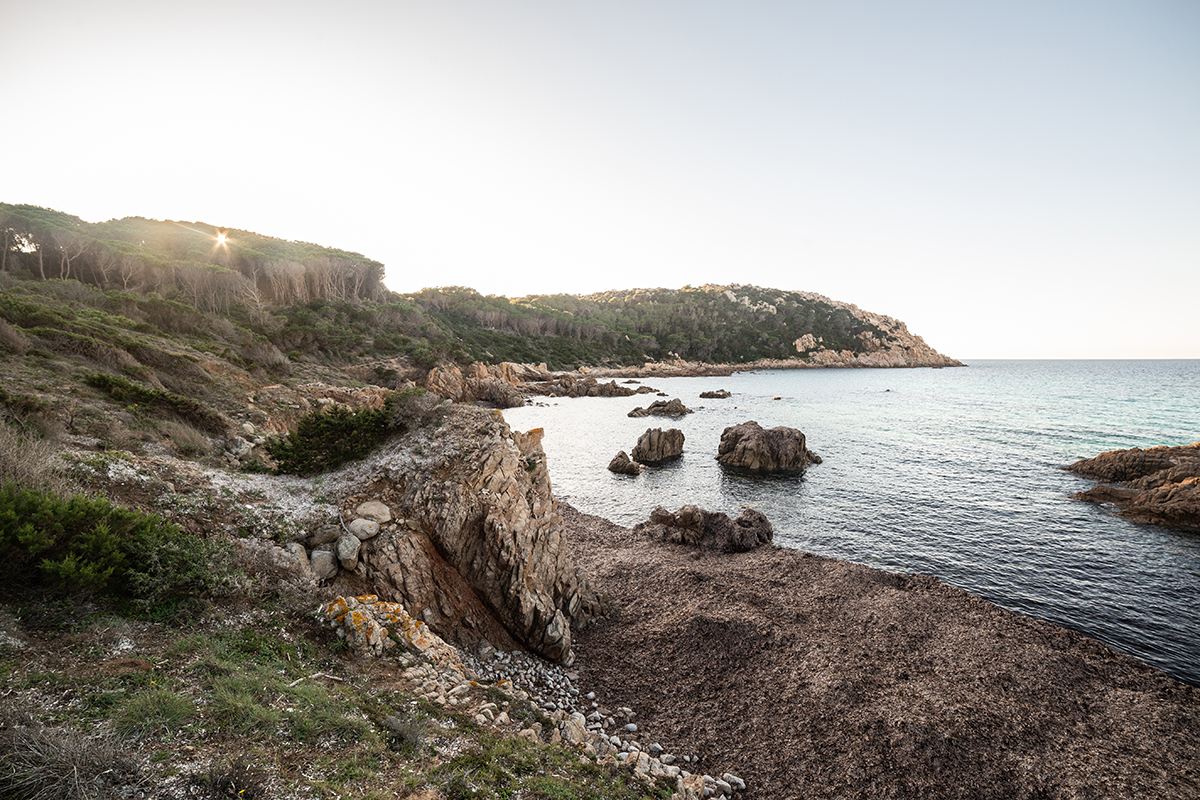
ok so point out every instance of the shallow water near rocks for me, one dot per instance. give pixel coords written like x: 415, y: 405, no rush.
x: 950, y: 472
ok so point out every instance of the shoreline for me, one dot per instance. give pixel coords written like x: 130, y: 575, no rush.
x: 812, y: 677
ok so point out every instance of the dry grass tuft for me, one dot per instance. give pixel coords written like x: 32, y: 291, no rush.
x: 38, y: 763
x: 31, y: 463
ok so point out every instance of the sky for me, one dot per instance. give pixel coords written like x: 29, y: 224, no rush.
x: 1013, y: 179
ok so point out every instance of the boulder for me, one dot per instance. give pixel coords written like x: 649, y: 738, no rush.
x: 750, y: 447
x: 692, y: 525
x: 347, y: 550
x: 662, y: 408
x: 374, y: 510
x: 621, y: 465
x: 323, y: 563
x: 363, y: 528
x: 656, y: 445
x: 718, y: 394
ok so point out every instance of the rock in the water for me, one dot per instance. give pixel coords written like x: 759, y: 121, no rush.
x: 622, y: 465
x: 1159, y: 485
x: 709, y: 530
x: 751, y: 447
x: 657, y: 445
x: 718, y: 394
x: 662, y: 408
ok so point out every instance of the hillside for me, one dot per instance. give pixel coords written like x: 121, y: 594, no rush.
x: 292, y: 301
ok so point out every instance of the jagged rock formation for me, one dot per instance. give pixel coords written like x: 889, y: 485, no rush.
x: 496, y: 385
x: 583, y: 385
x: 710, y: 530
x: 1160, y: 485
x: 662, y: 408
x: 622, y: 465
x: 750, y: 447
x: 477, y: 551
x: 656, y: 445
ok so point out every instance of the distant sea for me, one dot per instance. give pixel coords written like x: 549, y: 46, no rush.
x: 949, y: 472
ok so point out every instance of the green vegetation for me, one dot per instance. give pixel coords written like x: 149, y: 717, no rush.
x: 85, y: 545
x: 186, y: 408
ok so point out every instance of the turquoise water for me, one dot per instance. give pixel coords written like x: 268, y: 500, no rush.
x: 950, y: 472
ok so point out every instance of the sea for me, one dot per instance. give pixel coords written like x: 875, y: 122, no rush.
x: 954, y: 472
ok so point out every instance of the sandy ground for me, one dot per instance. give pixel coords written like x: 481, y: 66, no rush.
x: 815, y: 678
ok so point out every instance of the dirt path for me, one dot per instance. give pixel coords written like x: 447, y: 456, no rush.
x: 815, y: 678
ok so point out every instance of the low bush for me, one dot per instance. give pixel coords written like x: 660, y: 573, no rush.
x: 125, y: 391
x: 84, y: 545
x: 326, y: 439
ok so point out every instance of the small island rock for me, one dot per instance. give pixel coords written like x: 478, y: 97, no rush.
x: 656, y: 445
x: 623, y: 465
x: 750, y: 447
x: 662, y: 408
x: 710, y: 530
x: 718, y: 394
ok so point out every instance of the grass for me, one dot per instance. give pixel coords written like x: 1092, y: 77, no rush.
x: 153, y: 711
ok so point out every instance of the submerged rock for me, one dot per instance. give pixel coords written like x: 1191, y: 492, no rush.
x: 750, y: 447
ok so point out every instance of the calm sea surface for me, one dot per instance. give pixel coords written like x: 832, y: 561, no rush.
x: 949, y: 472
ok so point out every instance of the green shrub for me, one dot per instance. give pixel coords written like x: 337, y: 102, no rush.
x: 88, y: 545
x: 326, y: 439
x: 153, y: 711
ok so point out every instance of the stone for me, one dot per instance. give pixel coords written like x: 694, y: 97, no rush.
x: 299, y: 556
x: 363, y: 529
x: 752, y: 448
x: 622, y: 465
x: 347, y: 551
x: 734, y: 781
x: 662, y: 408
x: 723, y: 787
x: 719, y: 394
x: 324, y: 564
x: 374, y: 510
x: 239, y: 447
x: 692, y: 525
x: 326, y: 534
x: 656, y: 445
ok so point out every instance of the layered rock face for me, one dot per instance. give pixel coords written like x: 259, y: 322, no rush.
x: 501, y: 385
x: 480, y: 551
x: 656, y: 445
x: 1160, y: 485
x: 710, y: 530
x: 750, y: 447
x: 662, y: 408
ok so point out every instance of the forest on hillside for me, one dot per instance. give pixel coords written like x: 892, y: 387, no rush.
x: 280, y: 301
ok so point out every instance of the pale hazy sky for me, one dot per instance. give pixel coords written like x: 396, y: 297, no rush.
x: 1014, y: 179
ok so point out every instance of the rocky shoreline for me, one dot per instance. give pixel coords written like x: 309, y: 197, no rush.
x: 1159, y: 485
x: 812, y: 677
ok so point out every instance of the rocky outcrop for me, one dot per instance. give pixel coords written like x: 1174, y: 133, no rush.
x: 495, y: 385
x: 623, y: 465
x: 478, y: 549
x: 583, y: 385
x: 656, y: 445
x: 750, y: 447
x: 1159, y: 485
x: 662, y: 408
x: 718, y: 394
x: 710, y: 530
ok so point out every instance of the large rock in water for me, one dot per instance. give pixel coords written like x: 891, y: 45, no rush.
x: 662, y: 408
x: 750, y: 447
x: 710, y: 530
x: 622, y: 465
x: 482, y: 552
x: 1159, y: 485
x: 656, y: 445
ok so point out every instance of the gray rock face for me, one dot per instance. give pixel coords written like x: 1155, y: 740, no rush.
x: 662, y: 408
x: 324, y: 564
x: 374, y: 510
x: 484, y: 553
x: 750, y: 447
x: 657, y: 445
x: 622, y: 465
x: 347, y: 550
x: 709, y: 530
